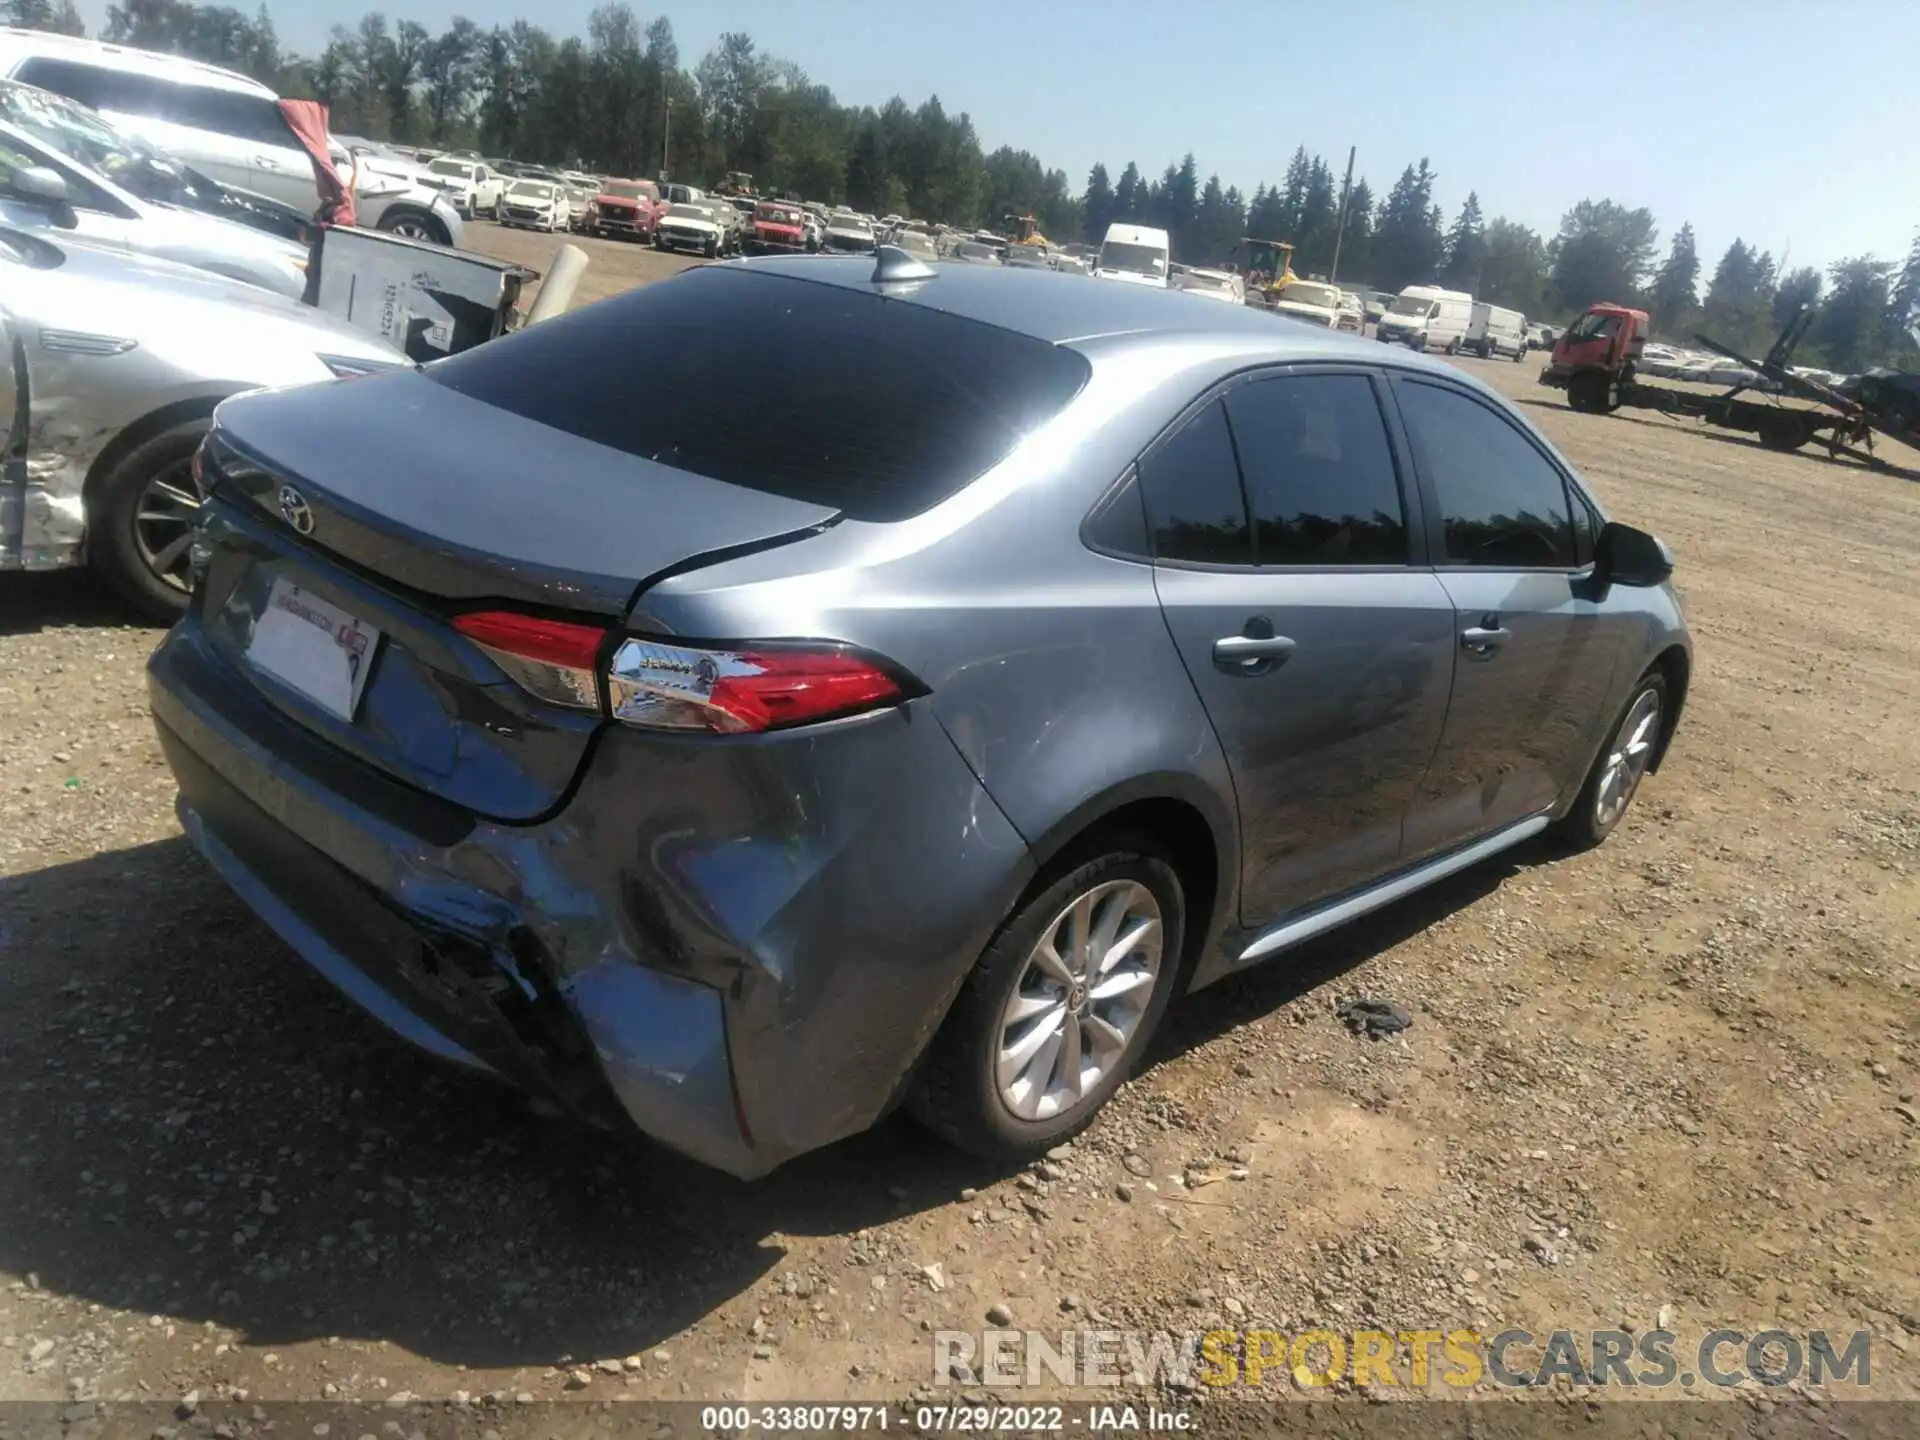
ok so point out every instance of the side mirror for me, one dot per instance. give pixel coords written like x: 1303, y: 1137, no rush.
x: 39, y: 185
x: 1623, y: 555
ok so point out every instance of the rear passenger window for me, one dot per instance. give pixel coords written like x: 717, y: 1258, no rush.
x: 1319, y: 472
x: 231, y: 112
x: 1501, y: 503
x: 1195, y: 510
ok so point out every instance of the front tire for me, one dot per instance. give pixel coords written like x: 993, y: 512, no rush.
x: 1619, y: 767
x: 412, y: 225
x: 139, y: 533
x: 1061, y: 1005
x: 1590, y: 393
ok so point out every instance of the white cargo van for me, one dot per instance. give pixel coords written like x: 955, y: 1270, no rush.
x: 1137, y: 254
x: 1492, y: 331
x: 1427, y: 318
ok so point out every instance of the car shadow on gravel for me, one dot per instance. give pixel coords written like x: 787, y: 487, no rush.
x: 58, y: 599
x: 1323, y: 961
x: 200, y: 1128
x: 1812, y: 451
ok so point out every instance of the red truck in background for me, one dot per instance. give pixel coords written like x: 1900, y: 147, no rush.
x: 779, y: 228
x: 628, y: 209
x: 1597, y: 361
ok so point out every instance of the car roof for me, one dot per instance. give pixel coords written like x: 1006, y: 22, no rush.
x: 1061, y: 310
x: 17, y: 45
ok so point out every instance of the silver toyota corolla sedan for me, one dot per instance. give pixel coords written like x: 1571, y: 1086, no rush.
x: 747, y: 747
x: 110, y: 367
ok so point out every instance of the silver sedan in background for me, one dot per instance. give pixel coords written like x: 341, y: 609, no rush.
x: 64, y: 169
x: 124, y: 359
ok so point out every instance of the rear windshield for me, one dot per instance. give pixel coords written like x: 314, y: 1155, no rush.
x: 241, y: 114
x: 890, y: 408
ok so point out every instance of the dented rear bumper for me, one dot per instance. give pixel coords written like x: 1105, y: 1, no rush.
x: 741, y: 947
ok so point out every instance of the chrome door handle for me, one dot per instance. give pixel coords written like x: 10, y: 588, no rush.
x: 266, y: 162
x: 1483, y: 641
x: 1251, y: 654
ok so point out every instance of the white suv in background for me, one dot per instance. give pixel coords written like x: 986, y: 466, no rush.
x: 473, y: 188
x: 219, y: 122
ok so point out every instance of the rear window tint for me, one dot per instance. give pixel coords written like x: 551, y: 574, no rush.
x: 877, y: 407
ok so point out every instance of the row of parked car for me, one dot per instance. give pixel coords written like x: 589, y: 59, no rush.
x: 156, y: 216
x: 222, y: 132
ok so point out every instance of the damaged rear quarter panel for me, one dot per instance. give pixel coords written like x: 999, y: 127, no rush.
x: 835, y: 885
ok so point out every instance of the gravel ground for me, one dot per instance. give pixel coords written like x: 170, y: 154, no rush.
x: 1669, y: 1082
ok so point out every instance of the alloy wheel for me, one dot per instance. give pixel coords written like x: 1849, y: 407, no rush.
x: 410, y: 229
x: 163, y: 523
x: 1628, y: 756
x: 1080, y: 1000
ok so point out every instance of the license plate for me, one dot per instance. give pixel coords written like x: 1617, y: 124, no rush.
x: 314, y: 647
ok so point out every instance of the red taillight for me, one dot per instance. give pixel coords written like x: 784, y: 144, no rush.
x: 659, y: 686
x: 793, y: 688
x: 733, y: 692
x: 555, y: 660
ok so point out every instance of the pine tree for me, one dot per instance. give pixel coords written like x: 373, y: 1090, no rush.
x: 1903, y: 311
x: 1466, y: 247
x: 1739, y: 303
x: 1181, y: 205
x: 1098, y: 205
x: 1851, y: 330
x: 1408, y: 245
x: 1263, y: 215
x: 1798, y: 290
x: 1319, y: 213
x: 1218, y: 227
x: 1514, y: 271
x: 1293, y: 195
x: 1129, y: 196
x: 1675, y: 286
x: 60, y: 18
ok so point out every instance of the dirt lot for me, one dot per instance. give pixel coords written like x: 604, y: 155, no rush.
x: 1668, y: 1082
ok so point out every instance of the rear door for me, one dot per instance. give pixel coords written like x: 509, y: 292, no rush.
x: 1289, y: 559
x: 1512, y: 544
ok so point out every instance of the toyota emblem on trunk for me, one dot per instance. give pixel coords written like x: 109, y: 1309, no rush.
x: 294, y: 507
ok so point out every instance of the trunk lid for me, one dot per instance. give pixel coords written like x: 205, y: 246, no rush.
x: 402, y: 503
x: 452, y: 497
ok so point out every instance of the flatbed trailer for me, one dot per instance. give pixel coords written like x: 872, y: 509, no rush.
x: 1594, y: 362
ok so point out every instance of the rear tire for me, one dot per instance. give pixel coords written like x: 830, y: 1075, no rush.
x: 1619, y: 767
x: 961, y: 1095
x: 132, y: 530
x: 1785, y: 430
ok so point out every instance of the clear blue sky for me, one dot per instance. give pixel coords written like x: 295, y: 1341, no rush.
x: 1534, y: 103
